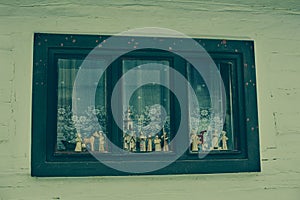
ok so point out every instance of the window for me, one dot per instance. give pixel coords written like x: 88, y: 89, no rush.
x: 76, y: 94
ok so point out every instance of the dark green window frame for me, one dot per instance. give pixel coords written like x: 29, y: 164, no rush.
x: 238, y: 56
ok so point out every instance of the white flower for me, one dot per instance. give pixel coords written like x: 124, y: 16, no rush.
x: 60, y: 118
x: 74, y: 118
x: 61, y: 111
x: 204, y: 112
x: 95, y: 111
x: 217, y: 120
x: 82, y: 119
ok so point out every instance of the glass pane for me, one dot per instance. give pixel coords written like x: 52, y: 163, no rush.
x: 200, y: 120
x: 84, y: 122
x: 143, y: 129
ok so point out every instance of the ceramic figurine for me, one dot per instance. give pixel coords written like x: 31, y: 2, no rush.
x: 224, y: 140
x: 149, y: 143
x: 215, y: 140
x: 202, y: 143
x: 195, y: 141
x: 157, y: 144
x: 83, y: 147
x: 101, y: 142
x: 90, y: 141
x: 132, y: 142
x: 143, y: 142
x: 78, y: 147
x: 165, y: 139
x: 126, y: 140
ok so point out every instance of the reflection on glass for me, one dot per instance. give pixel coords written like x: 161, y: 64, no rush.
x: 203, y: 122
x: 144, y: 130
x: 78, y: 131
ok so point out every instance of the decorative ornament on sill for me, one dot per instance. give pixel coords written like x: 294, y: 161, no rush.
x: 83, y: 143
x: 224, y: 140
x: 101, y: 142
x: 68, y: 125
x: 78, y: 140
x: 157, y: 144
x: 195, y: 141
x: 143, y: 139
x: 199, y: 142
x: 138, y: 136
x: 165, y: 139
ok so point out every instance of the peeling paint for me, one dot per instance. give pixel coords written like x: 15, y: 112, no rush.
x: 3, y: 141
x: 275, y: 123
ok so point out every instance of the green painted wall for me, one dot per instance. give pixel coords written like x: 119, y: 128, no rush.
x: 275, y: 27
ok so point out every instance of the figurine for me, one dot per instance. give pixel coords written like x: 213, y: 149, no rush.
x: 101, y: 142
x: 215, y: 140
x: 202, y: 144
x: 90, y: 141
x: 132, y: 142
x: 149, y: 143
x: 157, y: 144
x: 224, y: 140
x: 143, y: 142
x: 195, y: 141
x: 83, y: 146
x: 78, y: 140
x: 126, y: 140
x: 165, y: 138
